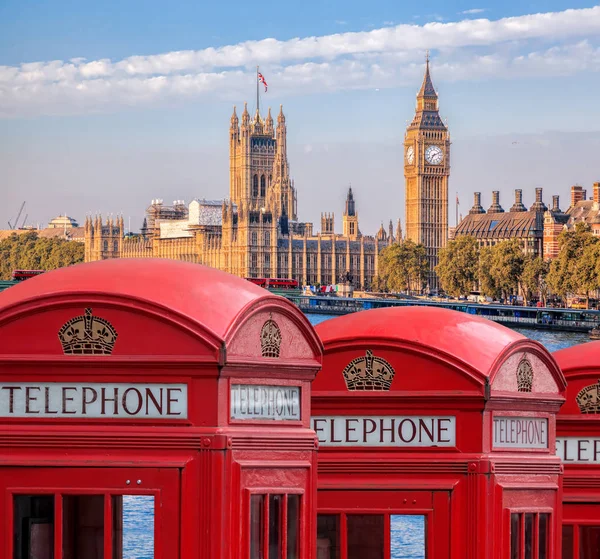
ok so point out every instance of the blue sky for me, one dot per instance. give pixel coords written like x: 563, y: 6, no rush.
x: 106, y: 105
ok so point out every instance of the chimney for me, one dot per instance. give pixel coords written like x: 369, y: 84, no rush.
x: 577, y: 194
x: 477, y: 207
x: 597, y: 192
x: 518, y: 206
x: 555, y: 206
x: 539, y: 205
x: 495, y: 208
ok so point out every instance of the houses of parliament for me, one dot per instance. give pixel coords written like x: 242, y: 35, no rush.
x: 257, y: 233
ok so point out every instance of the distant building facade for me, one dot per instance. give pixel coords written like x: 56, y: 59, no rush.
x: 497, y: 225
x: 256, y: 232
x: 426, y: 174
x: 62, y: 222
x: 580, y: 210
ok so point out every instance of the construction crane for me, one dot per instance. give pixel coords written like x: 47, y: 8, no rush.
x: 15, y: 224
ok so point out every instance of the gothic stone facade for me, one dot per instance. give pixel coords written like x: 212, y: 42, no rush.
x: 256, y: 233
x: 426, y: 173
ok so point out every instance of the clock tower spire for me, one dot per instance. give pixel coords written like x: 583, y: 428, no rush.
x: 426, y: 174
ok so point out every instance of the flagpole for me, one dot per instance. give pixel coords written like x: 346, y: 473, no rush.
x: 257, y: 93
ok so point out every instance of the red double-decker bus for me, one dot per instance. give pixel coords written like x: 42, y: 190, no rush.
x: 275, y: 283
x: 20, y: 275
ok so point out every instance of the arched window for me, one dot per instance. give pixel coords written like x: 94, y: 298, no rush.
x: 255, y: 186
x: 267, y: 238
x: 116, y: 246
x: 253, y: 238
x: 263, y: 186
x: 105, y: 245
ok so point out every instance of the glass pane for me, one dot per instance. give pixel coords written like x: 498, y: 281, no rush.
x: 407, y: 538
x: 529, y: 535
x: 33, y: 527
x: 83, y: 526
x: 567, y: 542
x: 544, y: 534
x: 275, y: 502
x: 515, y: 529
x: 133, y: 526
x: 365, y: 536
x: 328, y: 536
x: 257, y: 512
x: 293, y: 527
x: 589, y: 542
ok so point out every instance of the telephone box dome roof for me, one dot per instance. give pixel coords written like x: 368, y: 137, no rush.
x: 583, y: 356
x: 477, y: 342
x: 214, y: 300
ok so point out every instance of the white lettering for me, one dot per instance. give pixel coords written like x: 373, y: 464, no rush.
x: 253, y: 401
x: 520, y: 432
x: 419, y: 431
x: 94, y: 400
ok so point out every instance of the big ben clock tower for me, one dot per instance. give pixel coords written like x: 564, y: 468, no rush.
x: 426, y: 173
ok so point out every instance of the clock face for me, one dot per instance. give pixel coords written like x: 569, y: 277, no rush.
x: 434, y: 155
x: 410, y: 155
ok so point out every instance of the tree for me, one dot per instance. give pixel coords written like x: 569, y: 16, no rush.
x: 533, y: 279
x: 507, y: 266
x: 487, y: 282
x: 402, y: 267
x: 29, y: 252
x: 458, y: 266
x: 586, y: 271
x: 567, y: 273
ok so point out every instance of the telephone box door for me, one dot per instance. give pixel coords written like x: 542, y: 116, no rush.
x: 104, y: 513
x: 581, y: 531
x: 383, y: 524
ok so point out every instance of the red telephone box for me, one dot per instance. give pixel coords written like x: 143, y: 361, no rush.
x: 578, y: 445
x: 436, y: 434
x: 154, y: 408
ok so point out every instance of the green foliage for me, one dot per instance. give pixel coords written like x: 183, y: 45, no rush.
x: 507, y: 266
x: 458, y: 267
x: 571, y: 271
x: 533, y: 279
x: 29, y: 252
x: 487, y: 282
x: 402, y: 267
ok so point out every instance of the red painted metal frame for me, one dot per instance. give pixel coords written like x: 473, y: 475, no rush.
x: 581, y: 496
x: 176, y: 323
x: 446, y: 364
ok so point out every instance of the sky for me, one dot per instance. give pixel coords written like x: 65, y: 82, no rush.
x: 107, y: 105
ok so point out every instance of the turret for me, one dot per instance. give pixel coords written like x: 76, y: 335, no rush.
x: 398, y: 231
x: 427, y: 98
x: 350, y: 208
x: 269, y: 123
x: 234, y: 128
x: 245, y: 118
x: 391, y: 231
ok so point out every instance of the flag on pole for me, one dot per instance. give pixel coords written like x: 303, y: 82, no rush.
x: 262, y: 80
x: 457, y: 202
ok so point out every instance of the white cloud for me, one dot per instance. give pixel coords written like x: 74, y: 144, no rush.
x: 473, y: 11
x: 385, y: 57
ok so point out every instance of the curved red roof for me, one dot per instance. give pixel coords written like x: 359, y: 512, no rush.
x: 204, y: 295
x: 476, y: 341
x: 582, y: 356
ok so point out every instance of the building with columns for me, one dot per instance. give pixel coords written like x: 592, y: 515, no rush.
x: 426, y: 174
x: 256, y: 232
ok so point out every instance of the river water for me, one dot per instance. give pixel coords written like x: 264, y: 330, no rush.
x: 407, y: 539
x: 549, y: 338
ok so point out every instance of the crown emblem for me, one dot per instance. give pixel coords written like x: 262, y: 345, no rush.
x: 87, y: 335
x: 368, y: 373
x: 270, y: 339
x: 524, y: 376
x: 588, y: 399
